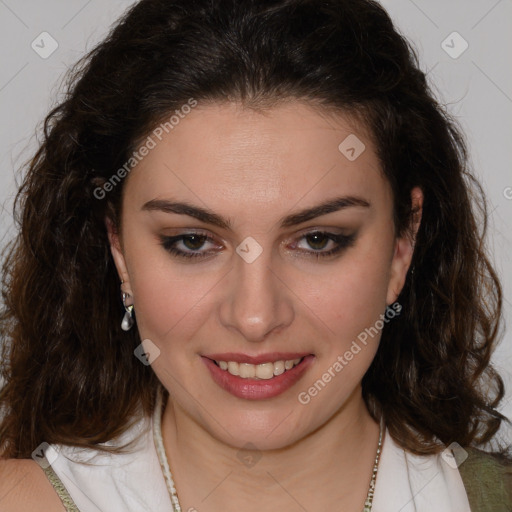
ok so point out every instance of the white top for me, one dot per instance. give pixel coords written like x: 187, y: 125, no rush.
x: 131, y: 482
x: 134, y: 482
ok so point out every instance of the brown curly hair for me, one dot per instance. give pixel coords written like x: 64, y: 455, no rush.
x: 70, y: 373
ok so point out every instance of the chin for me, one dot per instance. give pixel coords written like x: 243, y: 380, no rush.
x: 264, y: 430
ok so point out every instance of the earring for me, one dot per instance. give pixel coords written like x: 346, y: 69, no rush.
x: 128, y: 321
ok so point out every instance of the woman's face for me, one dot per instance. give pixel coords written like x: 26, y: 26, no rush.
x: 251, y: 281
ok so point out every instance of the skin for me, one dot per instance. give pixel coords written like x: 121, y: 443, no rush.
x: 24, y: 486
x: 254, y: 168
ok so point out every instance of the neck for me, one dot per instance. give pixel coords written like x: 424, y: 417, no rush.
x: 329, y: 468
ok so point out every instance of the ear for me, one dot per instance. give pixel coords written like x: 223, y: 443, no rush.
x: 117, y: 254
x: 404, y: 249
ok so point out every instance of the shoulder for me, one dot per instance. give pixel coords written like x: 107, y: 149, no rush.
x: 478, y: 460
x: 24, y: 486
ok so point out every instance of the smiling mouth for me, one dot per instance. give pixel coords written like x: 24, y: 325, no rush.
x: 263, y: 371
x: 271, y: 376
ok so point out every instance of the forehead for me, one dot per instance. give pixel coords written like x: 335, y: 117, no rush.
x: 230, y: 157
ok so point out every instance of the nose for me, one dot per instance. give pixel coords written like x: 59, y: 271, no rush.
x: 257, y: 301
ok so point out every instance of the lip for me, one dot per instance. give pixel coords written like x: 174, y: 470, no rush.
x: 252, y: 389
x: 270, y: 357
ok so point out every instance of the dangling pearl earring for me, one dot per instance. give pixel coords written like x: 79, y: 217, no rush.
x: 128, y: 320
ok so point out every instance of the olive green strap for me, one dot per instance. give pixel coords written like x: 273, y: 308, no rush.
x: 488, y: 482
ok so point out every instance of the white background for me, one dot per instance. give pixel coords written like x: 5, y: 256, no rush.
x: 477, y: 86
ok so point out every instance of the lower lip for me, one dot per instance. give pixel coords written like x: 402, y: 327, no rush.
x: 253, y: 389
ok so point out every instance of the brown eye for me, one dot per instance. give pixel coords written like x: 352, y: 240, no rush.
x: 188, y: 245
x: 319, y: 240
x: 194, y: 242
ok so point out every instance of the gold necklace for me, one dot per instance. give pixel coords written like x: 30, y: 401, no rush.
x: 164, y: 463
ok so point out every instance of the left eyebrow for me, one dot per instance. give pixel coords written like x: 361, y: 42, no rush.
x: 329, y: 206
x: 209, y: 217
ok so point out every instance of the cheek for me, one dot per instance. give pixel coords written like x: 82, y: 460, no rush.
x: 168, y: 303
x: 167, y: 306
x: 351, y: 297
x: 350, y: 306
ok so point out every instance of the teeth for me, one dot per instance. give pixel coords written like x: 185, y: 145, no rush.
x: 233, y: 368
x: 257, y: 371
x: 288, y: 365
x: 246, y: 371
x: 279, y: 367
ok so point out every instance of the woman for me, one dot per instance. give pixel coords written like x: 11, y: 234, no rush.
x: 249, y: 276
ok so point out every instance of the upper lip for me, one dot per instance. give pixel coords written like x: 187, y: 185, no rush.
x: 262, y: 358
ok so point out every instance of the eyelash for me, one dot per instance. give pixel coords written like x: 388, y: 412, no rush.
x: 342, y: 242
